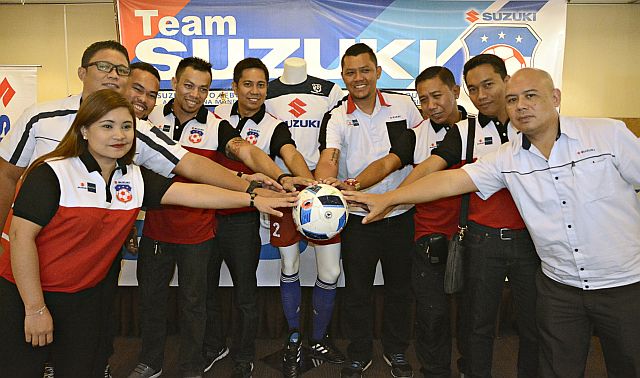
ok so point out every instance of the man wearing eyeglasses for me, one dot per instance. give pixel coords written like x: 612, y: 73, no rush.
x: 105, y: 64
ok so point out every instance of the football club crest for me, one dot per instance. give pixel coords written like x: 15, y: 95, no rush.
x: 516, y: 44
x: 316, y: 88
x: 195, y: 136
x: 252, y: 136
x: 123, y: 192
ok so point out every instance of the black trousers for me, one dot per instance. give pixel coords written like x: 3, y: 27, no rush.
x: 389, y: 241
x: 77, y: 322
x: 566, y: 316
x: 433, y: 320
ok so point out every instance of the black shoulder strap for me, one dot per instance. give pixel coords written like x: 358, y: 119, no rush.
x: 471, y: 136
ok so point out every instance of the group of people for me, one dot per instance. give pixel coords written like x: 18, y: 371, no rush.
x: 546, y: 187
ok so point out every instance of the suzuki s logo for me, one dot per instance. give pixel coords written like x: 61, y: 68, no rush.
x: 297, y: 108
x: 472, y: 16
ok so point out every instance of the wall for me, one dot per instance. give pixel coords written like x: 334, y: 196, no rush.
x: 600, y: 78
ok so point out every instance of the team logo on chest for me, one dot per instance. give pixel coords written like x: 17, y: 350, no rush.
x: 316, y: 88
x: 123, y: 191
x: 195, y: 135
x: 252, y: 136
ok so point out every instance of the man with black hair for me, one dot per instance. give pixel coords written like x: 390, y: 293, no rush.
x: 142, y: 88
x: 238, y: 239
x: 359, y: 131
x: 498, y: 244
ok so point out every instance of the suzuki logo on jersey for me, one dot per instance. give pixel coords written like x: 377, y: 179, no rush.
x: 353, y: 122
x: 88, y: 186
x: 297, y: 107
x: 195, y: 136
x: 123, y: 192
x: 252, y: 136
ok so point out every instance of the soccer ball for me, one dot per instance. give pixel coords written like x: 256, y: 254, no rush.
x: 513, y: 59
x: 321, y: 212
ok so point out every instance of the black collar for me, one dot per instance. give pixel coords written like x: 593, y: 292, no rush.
x: 92, y: 165
x: 437, y: 126
x: 485, y: 120
x: 201, y: 116
x: 257, y: 118
x: 526, y: 143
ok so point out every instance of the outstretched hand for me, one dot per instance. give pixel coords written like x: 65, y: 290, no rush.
x: 376, y: 204
x: 266, y: 181
x: 289, y: 183
x: 269, y: 205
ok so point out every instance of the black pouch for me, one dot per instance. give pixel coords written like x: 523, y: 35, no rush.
x: 434, y: 249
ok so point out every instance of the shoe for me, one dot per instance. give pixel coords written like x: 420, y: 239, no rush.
x: 242, y: 370
x: 292, y: 357
x: 211, y: 358
x: 355, y: 369
x: 326, y: 351
x: 107, y: 371
x: 400, y: 367
x: 48, y: 371
x: 144, y: 371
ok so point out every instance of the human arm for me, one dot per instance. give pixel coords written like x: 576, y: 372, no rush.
x: 211, y: 197
x: 433, y: 163
x: 9, y: 176
x: 328, y: 164
x: 38, y: 323
x: 432, y: 187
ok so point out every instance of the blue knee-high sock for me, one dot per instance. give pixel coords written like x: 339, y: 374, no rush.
x: 324, y: 295
x: 291, y: 297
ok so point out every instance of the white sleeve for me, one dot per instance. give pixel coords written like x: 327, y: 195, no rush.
x: 155, y: 150
x: 486, y: 174
x: 335, y: 129
x: 335, y: 95
x: 627, y: 153
x: 18, y: 146
x: 414, y: 118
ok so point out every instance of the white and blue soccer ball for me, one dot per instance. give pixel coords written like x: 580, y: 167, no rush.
x: 321, y: 212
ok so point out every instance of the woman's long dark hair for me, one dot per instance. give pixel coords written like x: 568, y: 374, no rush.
x: 91, y: 110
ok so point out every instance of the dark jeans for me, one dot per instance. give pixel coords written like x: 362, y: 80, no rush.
x: 566, y: 316
x: 389, y: 241
x: 433, y: 320
x: 237, y: 242
x: 489, y: 259
x: 76, y: 336
x: 156, y: 265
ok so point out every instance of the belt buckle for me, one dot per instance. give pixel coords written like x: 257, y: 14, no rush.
x: 502, y: 236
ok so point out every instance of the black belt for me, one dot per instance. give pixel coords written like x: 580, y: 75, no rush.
x: 501, y: 233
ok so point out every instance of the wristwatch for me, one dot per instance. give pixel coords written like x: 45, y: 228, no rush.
x: 252, y: 186
x: 353, y: 182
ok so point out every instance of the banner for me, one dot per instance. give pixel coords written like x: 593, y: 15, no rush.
x: 407, y: 36
x: 18, y: 90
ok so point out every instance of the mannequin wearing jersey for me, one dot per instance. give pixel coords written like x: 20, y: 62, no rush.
x: 296, y: 85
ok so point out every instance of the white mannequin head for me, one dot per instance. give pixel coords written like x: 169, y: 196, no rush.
x: 295, y: 71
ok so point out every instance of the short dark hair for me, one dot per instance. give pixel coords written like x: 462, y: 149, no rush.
x: 144, y: 66
x: 246, y: 64
x: 493, y: 60
x: 443, y: 73
x: 357, y: 49
x: 195, y: 63
x: 99, y: 46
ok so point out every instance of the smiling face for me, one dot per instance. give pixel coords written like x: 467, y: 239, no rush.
x: 110, y: 137
x: 532, y: 101
x: 486, y: 91
x: 94, y: 79
x: 438, y: 101
x: 142, y: 91
x: 191, y: 89
x: 360, y: 76
x: 251, y: 91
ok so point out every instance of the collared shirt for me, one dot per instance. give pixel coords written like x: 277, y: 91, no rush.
x: 302, y: 107
x: 440, y: 216
x: 84, y: 219
x: 364, y: 138
x: 580, y: 205
x: 499, y: 211
x: 205, y: 135
x: 42, y: 126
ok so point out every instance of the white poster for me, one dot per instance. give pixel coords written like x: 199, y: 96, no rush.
x: 18, y: 90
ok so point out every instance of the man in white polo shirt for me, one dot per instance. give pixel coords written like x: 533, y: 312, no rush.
x: 572, y: 180
x: 357, y: 132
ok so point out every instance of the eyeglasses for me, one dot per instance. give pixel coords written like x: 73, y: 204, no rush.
x: 103, y: 66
